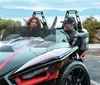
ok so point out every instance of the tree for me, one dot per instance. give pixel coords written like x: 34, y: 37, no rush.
x: 91, y: 24
x: 8, y: 23
x: 18, y: 23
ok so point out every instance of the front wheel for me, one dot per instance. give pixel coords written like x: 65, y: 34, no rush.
x: 74, y: 74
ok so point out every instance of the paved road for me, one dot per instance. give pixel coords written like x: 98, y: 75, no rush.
x: 94, y: 48
x: 93, y: 65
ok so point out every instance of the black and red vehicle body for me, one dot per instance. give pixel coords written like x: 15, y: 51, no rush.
x: 43, y: 59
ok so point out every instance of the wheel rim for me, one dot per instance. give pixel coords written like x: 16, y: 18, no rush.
x: 76, y: 76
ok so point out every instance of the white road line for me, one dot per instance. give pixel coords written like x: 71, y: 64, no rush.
x: 99, y: 61
x: 94, y: 82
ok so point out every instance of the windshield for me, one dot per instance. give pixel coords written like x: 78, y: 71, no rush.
x: 55, y: 35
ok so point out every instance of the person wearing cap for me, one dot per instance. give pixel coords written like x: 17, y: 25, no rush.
x: 68, y: 27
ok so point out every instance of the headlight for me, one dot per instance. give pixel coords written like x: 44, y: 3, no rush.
x: 43, y: 74
x: 42, y: 71
x: 33, y: 73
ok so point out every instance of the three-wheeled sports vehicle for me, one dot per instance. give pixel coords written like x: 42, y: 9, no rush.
x: 45, y: 58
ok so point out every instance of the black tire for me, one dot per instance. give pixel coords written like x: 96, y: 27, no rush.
x: 74, y: 73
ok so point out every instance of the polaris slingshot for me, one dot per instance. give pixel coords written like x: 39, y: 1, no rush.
x: 45, y: 58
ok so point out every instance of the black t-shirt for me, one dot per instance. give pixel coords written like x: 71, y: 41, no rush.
x: 71, y: 35
x: 34, y: 32
x: 29, y: 32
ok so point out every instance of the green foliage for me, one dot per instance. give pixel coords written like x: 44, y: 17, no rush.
x: 91, y: 24
x: 8, y: 23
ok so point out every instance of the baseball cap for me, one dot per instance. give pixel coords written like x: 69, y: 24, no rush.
x: 69, y: 20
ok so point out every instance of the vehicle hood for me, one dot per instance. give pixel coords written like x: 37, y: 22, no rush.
x: 15, y: 53
x: 45, y: 59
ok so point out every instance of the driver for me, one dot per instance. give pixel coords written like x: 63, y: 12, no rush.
x: 68, y: 27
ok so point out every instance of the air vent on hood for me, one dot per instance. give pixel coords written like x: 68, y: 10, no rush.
x: 6, y: 49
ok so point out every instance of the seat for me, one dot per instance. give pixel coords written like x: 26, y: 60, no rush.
x: 75, y: 24
x: 81, y: 40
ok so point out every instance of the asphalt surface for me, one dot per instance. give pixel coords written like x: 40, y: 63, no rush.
x: 92, y: 62
x: 93, y: 65
x: 94, y: 48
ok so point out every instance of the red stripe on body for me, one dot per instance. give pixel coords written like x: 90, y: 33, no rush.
x: 52, y: 54
x: 82, y: 55
x: 12, y: 56
x: 6, y: 61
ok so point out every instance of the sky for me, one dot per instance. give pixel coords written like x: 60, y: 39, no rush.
x: 50, y: 4
x: 61, y: 5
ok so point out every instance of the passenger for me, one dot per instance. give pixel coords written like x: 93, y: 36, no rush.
x: 34, y: 22
x: 33, y: 27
